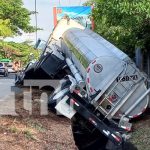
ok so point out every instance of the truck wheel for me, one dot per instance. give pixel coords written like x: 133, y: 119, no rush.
x: 84, y: 138
x: 58, y: 94
x: 95, y: 140
x: 52, y: 103
x: 55, y: 98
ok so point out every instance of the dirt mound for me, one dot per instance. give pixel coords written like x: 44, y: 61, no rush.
x: 34, y: 132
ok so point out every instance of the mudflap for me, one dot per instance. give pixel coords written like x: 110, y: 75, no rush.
x: 63, y: 108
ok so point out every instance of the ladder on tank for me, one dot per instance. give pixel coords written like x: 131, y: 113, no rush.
x: 121, y: 99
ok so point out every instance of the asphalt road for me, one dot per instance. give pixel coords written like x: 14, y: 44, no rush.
x: 5, y: 85
x: 10, y: 76
x: 7, y: 95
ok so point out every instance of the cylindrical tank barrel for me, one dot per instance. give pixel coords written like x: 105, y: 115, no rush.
x: 106, y: 70
x: 84, y: 46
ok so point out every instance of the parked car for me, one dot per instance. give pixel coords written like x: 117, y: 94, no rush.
x: 3, y: 69
x: 10, y: 68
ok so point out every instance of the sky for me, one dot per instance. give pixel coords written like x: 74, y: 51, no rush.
x: 44, y: 17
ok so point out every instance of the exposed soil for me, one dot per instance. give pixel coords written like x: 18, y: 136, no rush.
x: 51, y: 132
x: 141, y: 132
x: 34, y: 132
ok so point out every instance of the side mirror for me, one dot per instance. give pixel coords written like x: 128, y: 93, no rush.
x: 37, y: 43
x: 41, y: 45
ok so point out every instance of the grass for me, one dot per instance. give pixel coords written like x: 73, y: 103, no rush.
x: 141, y: 138
x: 29, y: 135
x: 27, y: 132
x: 37, y: 126
x: 14, y: 129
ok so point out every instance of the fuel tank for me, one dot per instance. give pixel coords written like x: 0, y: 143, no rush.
x: 89, y: 51
x: 110, y: 75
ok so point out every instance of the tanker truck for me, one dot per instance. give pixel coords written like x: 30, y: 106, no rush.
x: 100, y: 90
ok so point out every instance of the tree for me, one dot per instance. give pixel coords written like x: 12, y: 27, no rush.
x: 17, y: 51
x: 5, y: 29
x: 16, y: 16
x: 125, y: 23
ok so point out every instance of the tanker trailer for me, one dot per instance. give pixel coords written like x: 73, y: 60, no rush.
x: 112, y: 81
x: 102, y: 92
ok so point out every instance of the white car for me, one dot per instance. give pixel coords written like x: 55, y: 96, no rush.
x: 10, y: 68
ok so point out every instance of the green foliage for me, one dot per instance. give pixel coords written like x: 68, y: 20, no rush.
x: 15, y: 17
x: 5, y: 29
x: 125, y: 23
x: 17, y: 51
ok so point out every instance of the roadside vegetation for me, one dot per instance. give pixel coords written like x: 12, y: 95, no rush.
x: 14, y: 20
x: 125, y: 23
x: 17, y: 51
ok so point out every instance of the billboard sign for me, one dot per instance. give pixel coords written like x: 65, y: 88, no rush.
x: 79, y: 13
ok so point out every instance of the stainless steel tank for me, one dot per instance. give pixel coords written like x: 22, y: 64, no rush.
x: 109, y: 74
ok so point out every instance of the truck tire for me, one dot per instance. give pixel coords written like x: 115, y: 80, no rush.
x: 84, y: 139
x: 95, y: 140
x: 52, y: 103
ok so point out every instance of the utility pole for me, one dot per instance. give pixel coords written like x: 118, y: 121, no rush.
x: 36, y: 20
